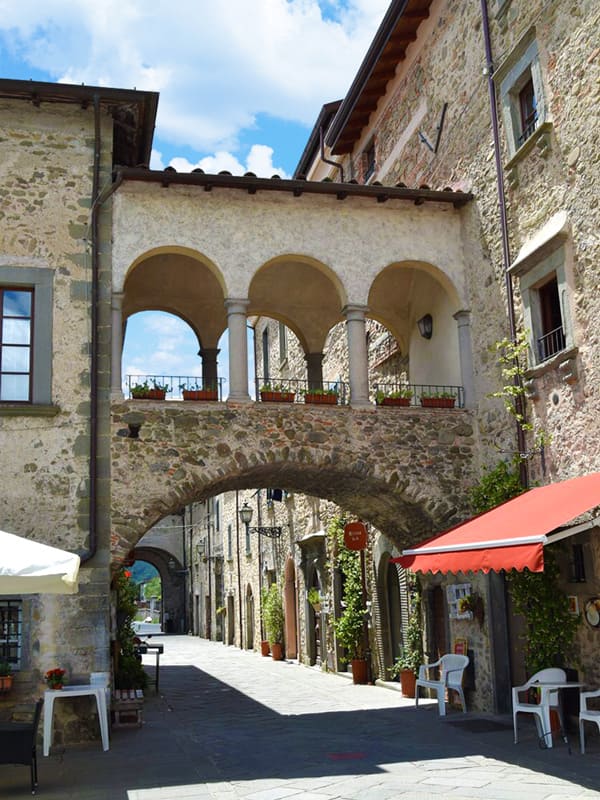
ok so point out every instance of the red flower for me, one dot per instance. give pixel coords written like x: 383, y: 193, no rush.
x: 127, y: 573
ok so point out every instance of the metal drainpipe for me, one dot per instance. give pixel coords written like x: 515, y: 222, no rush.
x: 523, y: 471
x: 328, y: 160
x: 239, y: 568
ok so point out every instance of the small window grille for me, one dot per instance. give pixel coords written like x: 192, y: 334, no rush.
x: 11, y: 631
x: 528, y: 111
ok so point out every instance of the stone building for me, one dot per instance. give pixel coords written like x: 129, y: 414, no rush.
x: 408, y: 244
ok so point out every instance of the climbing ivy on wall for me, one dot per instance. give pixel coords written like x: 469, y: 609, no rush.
x: 349, y: 627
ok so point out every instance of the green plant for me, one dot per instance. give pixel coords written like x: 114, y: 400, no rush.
x: 321, y: 392
x: 350, y: 626
x: 190, y: 387
x: 129, y: 672
x: 405, y: 393
x: 551, y: 628
x: 273, y: 614
x: 497, y: 485
x: 5, y: 669
x: 314, y: 597
x: 411, y: 652
x: 55, y: 677
x: 438, y: 395
x: 221, y: 611
x: 142, y: 389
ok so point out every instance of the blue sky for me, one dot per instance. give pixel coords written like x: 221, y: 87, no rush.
x: 241, y: 84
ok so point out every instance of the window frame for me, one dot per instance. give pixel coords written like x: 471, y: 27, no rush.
x: 29, y: 346
x: 512, y: 77
x: 40, y: 280
x: 370, y: 161
x: 14, y: 641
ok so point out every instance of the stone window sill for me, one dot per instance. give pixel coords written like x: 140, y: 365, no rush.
x: 27, y: 410
x: 540, y: 138
x: 565, y: 363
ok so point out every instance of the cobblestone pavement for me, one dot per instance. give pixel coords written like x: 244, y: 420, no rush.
x: 230, y: 724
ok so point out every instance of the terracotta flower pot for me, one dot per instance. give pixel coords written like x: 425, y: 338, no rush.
x: 408, y: 681
x: 276, y: 651
x: 359, y: 670
x: 438, y: 402
x: 321, y: 399
x: 200, y: 394
x: 265, y: 650
x: 6, y: 682
x: 395, y: 401
x: 277, y: 397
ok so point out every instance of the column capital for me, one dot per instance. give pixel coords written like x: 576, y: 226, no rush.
x: 116, y: 301
x: 462, y: 317
x: 354, y: 311
x: 237, y: 305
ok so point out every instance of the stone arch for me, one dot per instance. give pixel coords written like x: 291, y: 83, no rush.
x: 400, y: 295
x: 402, y: 472
x: 301, y: 292
x: 291, y: 609
x: 173, y: 606
x: 179, y: 281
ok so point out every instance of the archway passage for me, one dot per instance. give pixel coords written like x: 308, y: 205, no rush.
x: 403, y: 472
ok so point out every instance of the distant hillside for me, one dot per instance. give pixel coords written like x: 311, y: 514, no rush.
x: 142, y: 571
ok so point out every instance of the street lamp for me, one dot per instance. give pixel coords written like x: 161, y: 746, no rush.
x: 273, y: 532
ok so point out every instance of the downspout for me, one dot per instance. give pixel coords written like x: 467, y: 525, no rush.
x: 328, y: 160
x: 239, y: 568
x: 523, y: 472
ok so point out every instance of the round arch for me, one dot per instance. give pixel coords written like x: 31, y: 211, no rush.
x: 302, y: 292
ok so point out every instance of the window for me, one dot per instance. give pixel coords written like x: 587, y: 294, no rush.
x: 229, y: 543
x: 552, y: 335
x: 265, y: 355
x: 25, y: 336
x: 521, y: 93
x: 11, y: 625
x: 16, y: 322
x: 369, y: 161
x: 283, y: 348
x: 248, y: 541
x: 541, y: 269
x: 217, y: 516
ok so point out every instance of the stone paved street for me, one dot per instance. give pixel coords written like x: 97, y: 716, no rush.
x: 229, y: 724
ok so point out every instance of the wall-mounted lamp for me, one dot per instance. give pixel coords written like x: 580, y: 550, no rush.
x: 246, y: 513
x: 425, y: 326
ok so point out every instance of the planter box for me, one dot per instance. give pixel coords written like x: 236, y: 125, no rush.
x: 152, y: 394
x: 408, y: 681
x: 321, y: 399
x: 395, y: 401
x: 6, y: 682
x: 438, y: 402
x: 277, y: 397
x: 359, y: 670
x: 200, y: 394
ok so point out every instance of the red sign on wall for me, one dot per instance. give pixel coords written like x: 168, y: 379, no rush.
x: 355, y: 535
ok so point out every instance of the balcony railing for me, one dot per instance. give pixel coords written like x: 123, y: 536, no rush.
x: 416, y: 392
x: 299, y: 389
x: 175, y: 384
x: 551, y: 343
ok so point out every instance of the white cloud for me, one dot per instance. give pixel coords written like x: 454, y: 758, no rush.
x: 259, y: 161
x: 217, y: 65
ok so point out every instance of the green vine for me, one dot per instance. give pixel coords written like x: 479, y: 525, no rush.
x: 551, y: 628
x: 349, y: 627
x: 512, y: 359
x: 496, y: 486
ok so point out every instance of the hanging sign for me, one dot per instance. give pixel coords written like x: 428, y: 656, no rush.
x: 355, y: 535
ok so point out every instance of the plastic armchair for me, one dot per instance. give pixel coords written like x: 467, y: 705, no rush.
x: 589, y: 714
x: 549, y: 699
x: 451, y: 669
x: 18, y: 743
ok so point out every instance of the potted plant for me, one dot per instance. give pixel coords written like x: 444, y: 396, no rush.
x: 438, y: 400
x: 327, y: 397
x: 149, y: 391
x: 6, y: 677
x: 406, y: 666
x: 55, y: 678
x: 128, y: 669
x: 400, y: 397
x: 194, y: 391
x: 276, y: 394
x: 274, y: 619
x: 472, y: 604
x: 315, y: 599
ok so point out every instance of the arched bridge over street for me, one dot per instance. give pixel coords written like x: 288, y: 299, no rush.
x: 403, y: 470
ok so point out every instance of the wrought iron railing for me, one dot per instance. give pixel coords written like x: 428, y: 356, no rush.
x: 551, y: 343
x: 415, y: 393
x: 301, y: 391
x: 174, y: 385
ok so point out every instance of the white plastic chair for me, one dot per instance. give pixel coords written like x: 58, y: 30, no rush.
x: 451, y: 669
x: 589, y: 714
x: 549, y: 698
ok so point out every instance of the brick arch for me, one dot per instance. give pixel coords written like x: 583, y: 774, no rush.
x: 404, y: 472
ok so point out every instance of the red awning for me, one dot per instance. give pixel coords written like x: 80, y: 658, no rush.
x: 510, y: 536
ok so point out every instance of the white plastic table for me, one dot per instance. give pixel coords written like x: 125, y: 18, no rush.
x: 97, y: 690
x: 546, y: 734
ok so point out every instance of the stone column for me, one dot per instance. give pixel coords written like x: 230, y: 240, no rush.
x: 314, y: 370
x: 116, y: 307
x: 238, y: 349
x: 465, y: 351
x: 357, y: 354
x: 210, y: 378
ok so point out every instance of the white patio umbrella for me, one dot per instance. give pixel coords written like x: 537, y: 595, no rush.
x: 28, y: 567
